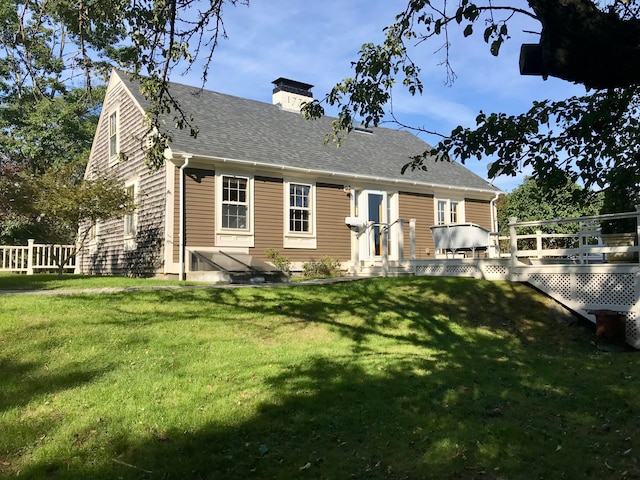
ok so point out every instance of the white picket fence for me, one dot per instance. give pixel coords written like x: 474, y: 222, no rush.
x: 32, y: 257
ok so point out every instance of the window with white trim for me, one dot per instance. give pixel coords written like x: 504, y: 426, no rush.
x: 441, y: 215
x: 299, y: 214
x: 299, y: 208
x: 453, y: 211
x: 234, y: 199
x: 449, y: 211
x: 113, y: 135
x: 130, y: 217
x: 235, y: 203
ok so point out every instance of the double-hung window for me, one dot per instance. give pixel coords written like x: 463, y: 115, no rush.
x: 235, y: 203
x: 453, y: 212
x: 299, y: 208
x: 129, y: 217
x: 299, y: 214
x: 113, y: 134
x: 449, y: 211
x: 442, y: 209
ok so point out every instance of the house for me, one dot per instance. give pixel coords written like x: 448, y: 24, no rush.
x: 259, y: 176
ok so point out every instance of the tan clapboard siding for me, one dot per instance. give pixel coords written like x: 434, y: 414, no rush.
x: 199, y: 209
x: 199, y: 205
x: 111, y: 256
x: 419, y: 207
x: 268, y: 215
x: 334, y: 237
x: 478, y: 212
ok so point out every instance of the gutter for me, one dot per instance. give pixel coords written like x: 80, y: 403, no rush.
x: 494, y: 214
x: 348, y: 176
x: 181, y: 273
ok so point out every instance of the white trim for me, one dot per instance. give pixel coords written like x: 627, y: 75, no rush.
x: 447, y: 212
x: 228, y: 237
x: 169, y: 219
x: 299, y: 239
x: 114, y: 157
x: 182, y: 219
x: 129, y: 238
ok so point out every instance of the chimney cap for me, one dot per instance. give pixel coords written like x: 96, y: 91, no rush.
x: 292, y: 86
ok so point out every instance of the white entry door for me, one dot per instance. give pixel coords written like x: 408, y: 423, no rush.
x: 376, y: 209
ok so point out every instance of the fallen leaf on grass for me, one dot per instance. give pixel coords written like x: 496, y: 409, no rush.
x: 305, y: 466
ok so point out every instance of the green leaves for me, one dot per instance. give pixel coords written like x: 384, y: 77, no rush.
x: 590, y: 139
x: 495, y: 34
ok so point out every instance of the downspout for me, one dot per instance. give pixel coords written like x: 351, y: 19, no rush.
x: 494, y: 216
x: 181, y: 274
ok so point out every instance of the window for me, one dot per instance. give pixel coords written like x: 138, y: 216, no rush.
x: 299, y: 208
x: 235, y: 203
x: 234, y: 199
x: 453, y: 210
x: 113, y: 134
x: 129, y: 218
x: 442, y: 207
x: 449, y: 211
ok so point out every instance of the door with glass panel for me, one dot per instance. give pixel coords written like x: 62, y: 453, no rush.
x: 375, y: 207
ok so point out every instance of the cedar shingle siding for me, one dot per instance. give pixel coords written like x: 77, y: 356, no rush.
x: 109, y: 255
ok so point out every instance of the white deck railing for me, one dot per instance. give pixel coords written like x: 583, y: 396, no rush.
x: 587, y: 245
x: 27, y: 259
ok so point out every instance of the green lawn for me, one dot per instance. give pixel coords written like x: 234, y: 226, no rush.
x: 47, y: 281
x: 377, y: 379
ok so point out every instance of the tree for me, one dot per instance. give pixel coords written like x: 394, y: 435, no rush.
x: 590, y: 139
x: 48, y: 47
x: 59, y: 202
x: 54, y: 57
x: 530, y: 201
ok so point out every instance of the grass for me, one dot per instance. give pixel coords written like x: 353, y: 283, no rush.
x: 376, y: 379
x: 47, y: 281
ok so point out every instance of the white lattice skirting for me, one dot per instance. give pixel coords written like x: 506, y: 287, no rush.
x: 578, y: 287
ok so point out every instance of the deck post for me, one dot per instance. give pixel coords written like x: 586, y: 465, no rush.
x: 513, y: 243
x: 372, y: 242
x: 384, y: 247
x: 539, y: 243
x: 400, y: 239
x: 412, y: 238
x: 30, y: 243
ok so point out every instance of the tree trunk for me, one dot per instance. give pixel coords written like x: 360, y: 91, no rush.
x: 580, y: 43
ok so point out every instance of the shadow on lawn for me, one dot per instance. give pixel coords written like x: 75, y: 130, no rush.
x: 370, y: 415
x: 36, y: 381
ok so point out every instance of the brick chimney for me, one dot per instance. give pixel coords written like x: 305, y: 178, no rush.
x: 289, y: 94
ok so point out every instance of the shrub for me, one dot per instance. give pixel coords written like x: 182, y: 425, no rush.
x: 326, y: 267
x: 280, y: 261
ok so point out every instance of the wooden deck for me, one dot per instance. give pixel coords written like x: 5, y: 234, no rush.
x: 581, y: 275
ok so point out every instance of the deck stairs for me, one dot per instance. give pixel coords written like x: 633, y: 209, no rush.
x: 238, y: 268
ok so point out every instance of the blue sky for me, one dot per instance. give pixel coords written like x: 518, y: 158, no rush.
x: 315, y: 42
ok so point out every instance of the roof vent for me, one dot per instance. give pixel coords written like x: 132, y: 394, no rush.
x: 290, y: 94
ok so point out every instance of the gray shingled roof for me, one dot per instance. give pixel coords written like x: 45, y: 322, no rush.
x: 242, y: 129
